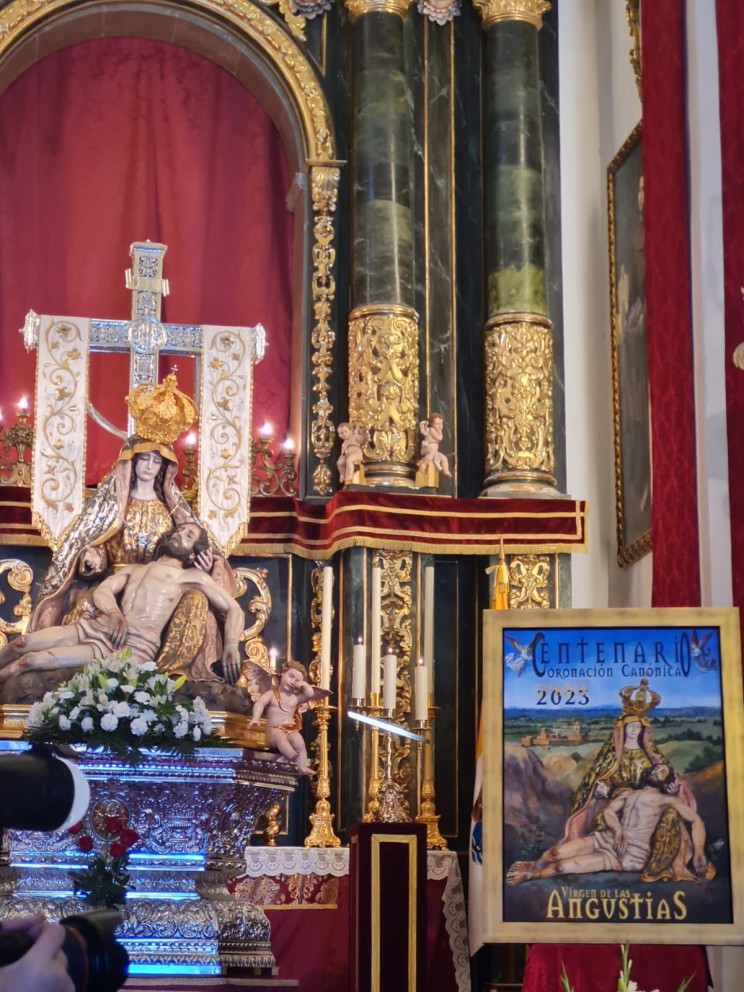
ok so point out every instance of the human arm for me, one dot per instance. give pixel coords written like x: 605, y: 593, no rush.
x: 43, y: 967
x: 611, y: 814
x: 697, y: 829
x: 259, y: 706
x: 104, y: 599
x: 234, y: 619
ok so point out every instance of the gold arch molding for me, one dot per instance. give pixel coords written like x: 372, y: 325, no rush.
x: 22, y: 17
x: 246, y: 41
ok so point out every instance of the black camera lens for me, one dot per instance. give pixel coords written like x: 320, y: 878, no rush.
x: 96, y: 961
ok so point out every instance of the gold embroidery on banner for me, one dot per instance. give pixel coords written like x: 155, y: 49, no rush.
x: 324, y: 189
x: 528, y: 582
x: 58, y: 457
x: 519, y: 396
x: 222, y: 502
x: 493, y: 11
x: 384, y: 383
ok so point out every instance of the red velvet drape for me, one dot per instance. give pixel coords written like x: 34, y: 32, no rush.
x: 674, y: 515
x: 116, y: 140
x: 730, y: 22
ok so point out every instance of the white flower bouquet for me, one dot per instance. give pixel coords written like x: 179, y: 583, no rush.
x: 124, y: 707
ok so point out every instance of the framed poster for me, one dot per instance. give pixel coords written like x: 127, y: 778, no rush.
x: 630, y: 398
x: 613, y: 761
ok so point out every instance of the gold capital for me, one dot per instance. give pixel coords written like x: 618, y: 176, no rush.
x: 493, y: 11
x: 358, y: 7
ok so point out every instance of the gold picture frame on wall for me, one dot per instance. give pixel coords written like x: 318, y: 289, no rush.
x: 613, y: 783
x: 630, y: 397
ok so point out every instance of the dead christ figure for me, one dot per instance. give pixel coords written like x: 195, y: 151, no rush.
x: 631, y: 818
x: 147, y: 597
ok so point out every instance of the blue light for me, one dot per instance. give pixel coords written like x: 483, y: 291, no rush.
x: 174, y: 969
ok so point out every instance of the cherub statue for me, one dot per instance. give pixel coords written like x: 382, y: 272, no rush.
x: 284, y: 703
x: 432, y: 432
x: 353, y: 438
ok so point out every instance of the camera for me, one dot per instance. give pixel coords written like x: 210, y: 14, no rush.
x: 96, y: 961
x: 42, y: 789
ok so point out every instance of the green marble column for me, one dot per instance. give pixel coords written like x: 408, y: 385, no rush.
x: 518, y: 346
x: 383, y: 324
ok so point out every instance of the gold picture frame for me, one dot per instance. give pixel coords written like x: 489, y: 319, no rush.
x: 636, y: 715
x: 630, y: 399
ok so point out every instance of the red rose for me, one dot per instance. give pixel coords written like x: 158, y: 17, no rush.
x: 84, y: 842
x: 117, y: 850
x: 128, y: 837
x: 114, y: 824
x: 75, y: 828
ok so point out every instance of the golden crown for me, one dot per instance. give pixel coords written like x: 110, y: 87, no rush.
x: 161, y: 411
x: 638, y: 700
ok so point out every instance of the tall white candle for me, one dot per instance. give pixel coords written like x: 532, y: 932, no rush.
x: 389, y: 685
x: 429, y: 622
x: 325, y: 628
x: 273, y: 661
x: 358, y: 673
x: 376, y: 646
x: 421, y: 691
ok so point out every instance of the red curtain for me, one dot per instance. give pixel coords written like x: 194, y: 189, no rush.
x: 730, y: 21
x: 674, y: 515
x: 118, y: 140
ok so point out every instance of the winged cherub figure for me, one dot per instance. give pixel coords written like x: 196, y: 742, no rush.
x: 283, y: 701
x: 524, y: 653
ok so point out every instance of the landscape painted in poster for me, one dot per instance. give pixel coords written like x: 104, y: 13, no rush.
x: 614, y: 808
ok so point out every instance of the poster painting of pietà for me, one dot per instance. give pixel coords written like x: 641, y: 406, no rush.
x: 613, y: 776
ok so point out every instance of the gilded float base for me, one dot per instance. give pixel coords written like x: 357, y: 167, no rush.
x: 195, y: 818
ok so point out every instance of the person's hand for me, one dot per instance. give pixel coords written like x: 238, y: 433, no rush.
x: 700, y: 864
x: 231, y: 663
x: 620, y: 842
x: 43, y: 968
x: 204, y: 560
x: 117, y: 629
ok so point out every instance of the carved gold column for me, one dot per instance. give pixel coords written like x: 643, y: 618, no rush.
x: 383, y: 325
x: 518, y: 340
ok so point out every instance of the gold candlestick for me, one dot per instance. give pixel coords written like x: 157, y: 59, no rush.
x: 392, y: 807
x: 427, y: 810
x: 322, y: 834
x: 372, y: 813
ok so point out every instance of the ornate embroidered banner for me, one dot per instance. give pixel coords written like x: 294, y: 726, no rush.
x: 225, y: 429
x: 60, y: 410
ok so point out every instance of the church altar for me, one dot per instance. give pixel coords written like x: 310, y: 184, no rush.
x: 194, y: 816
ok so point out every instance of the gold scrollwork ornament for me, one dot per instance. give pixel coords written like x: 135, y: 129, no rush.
x: 384, y: 387
x: 519, y: 401
x: 528, y: 582
x: 324, y: 180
